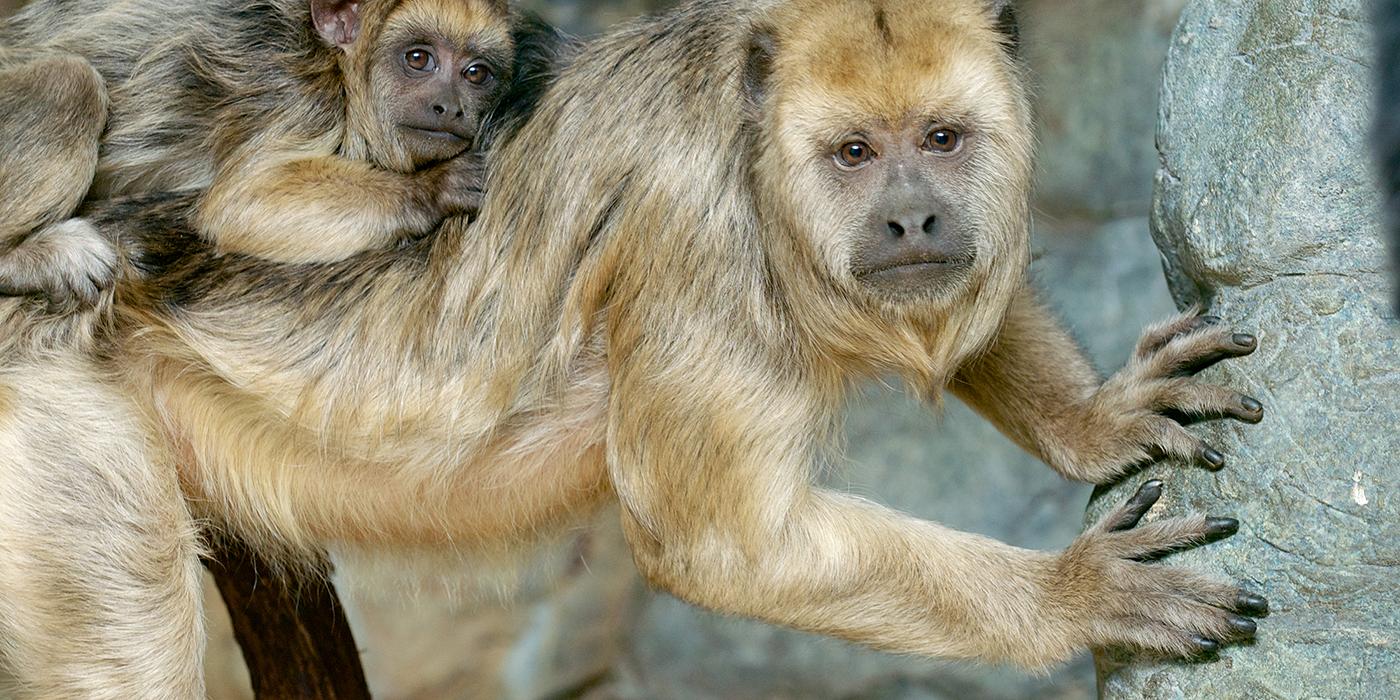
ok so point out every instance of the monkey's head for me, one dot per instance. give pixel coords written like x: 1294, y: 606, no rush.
x: 897, y: 131
x: 420, y: 74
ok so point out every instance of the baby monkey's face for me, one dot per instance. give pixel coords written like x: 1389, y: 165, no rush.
x: 438, y: 68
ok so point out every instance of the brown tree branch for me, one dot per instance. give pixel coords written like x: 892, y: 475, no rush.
x: 295, y: 638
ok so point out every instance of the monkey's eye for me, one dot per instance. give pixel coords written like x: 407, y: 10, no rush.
x: 419, y: 59
x: 854, y: 154
x: 478, y: 74
x: 942, y: 140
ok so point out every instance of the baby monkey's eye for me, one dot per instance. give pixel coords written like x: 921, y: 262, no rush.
x: 942, y: 140
x: 478, y: 74
x: 419, y: 59
x: 854, y: 154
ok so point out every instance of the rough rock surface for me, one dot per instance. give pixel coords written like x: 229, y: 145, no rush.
x: 1267, y: 214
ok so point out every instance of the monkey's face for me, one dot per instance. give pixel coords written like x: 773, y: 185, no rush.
x: 903, y: 141
x: 916, y: 236
x: 438, y: 66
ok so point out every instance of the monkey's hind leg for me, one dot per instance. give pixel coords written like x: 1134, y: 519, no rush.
x: 99, y: 557
x: 55, y: 108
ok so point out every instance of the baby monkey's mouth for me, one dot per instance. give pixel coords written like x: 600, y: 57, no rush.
x: 439, y: 134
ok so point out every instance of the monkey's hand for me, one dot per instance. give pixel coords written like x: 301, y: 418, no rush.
x: 458, y: 185
x: 1139, y: 414
x: 68, y: 262
x: 1110, y: 596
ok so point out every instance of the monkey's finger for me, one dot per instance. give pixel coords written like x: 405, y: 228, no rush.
x: 78, y: 287
x: 1156, y: 336
x: 1189, y: 354
x: 1189, y: 402
x: 1226, y: 596
x: 1158, y: 539
x: 1127, y: 516
x: 1181, y: 627
x: 1170, y: 439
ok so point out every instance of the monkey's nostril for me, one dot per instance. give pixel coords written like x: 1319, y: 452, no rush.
x: 439, y: 109
x: 896, y: 230
x: 930, y: 225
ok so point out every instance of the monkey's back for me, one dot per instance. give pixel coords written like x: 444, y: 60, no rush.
x: 186, y: 82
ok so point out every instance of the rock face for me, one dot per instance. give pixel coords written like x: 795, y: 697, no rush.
x: 1266, y: 213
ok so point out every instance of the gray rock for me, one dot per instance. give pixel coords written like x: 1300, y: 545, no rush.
x: 1266, y: 212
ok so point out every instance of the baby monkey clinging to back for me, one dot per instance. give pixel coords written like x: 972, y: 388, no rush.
x: 319, y: 128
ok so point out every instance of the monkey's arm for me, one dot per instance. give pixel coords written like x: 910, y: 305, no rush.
x: 719, y: 511
x: 327, y: 208
x: 1037, y: 386
x: 54, y: 107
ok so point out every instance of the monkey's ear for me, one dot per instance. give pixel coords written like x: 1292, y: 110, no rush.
x: 337, y: 21
x: 1005, y: 13
x: 758, y: 67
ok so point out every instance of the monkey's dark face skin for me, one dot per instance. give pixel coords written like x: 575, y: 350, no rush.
x: 434, y: 92
x: 914, y: 242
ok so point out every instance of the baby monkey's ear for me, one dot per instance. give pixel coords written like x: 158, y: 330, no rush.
x: 337, y: 21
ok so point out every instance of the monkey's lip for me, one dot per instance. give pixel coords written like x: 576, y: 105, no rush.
x: 448, y: 136
x: 910, y: 268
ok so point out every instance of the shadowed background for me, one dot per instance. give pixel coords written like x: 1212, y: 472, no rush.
x: 591, y: 629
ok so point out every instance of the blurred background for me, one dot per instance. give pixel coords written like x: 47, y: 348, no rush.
x: 588, y: 627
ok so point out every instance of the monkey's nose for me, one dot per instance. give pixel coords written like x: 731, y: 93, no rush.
x: 441, y: 110
x: 901, y: 226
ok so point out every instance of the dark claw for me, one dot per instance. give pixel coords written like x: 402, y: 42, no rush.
x: 1141, y: 502
x: 1205, y: 647
x: 1243, y: 625
x: 1251, y: 604
x: 1244, y: 340
x: 1252, y: 405
x: 1220, y: 528
x: 1210, y: 320
x: 1213, y: 458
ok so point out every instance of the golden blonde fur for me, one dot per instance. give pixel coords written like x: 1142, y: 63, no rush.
x: 657, y: 307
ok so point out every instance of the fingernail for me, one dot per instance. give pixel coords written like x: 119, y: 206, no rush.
x: 1211, y: 320
x: 1222, y: 526
x: 1205, y: 646
x: 1215, y: 459
x: 1252, y: 603
x: 1243, y: 625
x: 1251, y: 405
x: 1244, y: 340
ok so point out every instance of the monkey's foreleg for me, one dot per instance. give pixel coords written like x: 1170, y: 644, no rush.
x: 1037, y: 386
x: 328, y: 208
x: 54, y: 107
x: 99, y: 568
x: 728, y: 521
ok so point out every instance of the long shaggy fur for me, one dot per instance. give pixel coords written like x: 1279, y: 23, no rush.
x: 656, y: 306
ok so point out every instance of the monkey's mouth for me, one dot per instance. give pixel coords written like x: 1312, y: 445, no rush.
x: 910, y: 270
x: 450, y: 137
